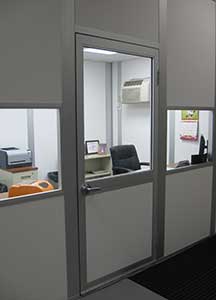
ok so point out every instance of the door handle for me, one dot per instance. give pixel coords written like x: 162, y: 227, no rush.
x: 87, y: 189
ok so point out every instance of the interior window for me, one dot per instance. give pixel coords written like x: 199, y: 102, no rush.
x: 189, y: 136
x: 29, y: 152
x: 117, y: 113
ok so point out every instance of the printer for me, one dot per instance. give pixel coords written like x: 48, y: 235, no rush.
x: 13, y: 157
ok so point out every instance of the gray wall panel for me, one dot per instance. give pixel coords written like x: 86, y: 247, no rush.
x: 118, y: 229
x: 30, y: 52
x: 137, y: 18
x: 191, y: 53
x: 32, y: 255
x: 188, y: 208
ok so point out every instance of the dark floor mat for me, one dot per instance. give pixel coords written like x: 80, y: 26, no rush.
x: 187, y: 276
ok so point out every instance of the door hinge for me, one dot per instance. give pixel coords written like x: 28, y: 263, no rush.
x: 158, y: 77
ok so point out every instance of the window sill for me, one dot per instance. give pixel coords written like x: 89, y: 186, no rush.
x: 189, y: 168
x: 117, y: 182
x: 30, y: 198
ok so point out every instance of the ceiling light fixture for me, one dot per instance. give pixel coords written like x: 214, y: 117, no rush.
x: 99, y: 51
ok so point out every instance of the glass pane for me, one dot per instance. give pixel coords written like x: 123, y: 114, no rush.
x: 189, y: 137
x: 117, y: 113
x: 29, y: 152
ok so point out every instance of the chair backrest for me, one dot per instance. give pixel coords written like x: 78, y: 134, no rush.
x: 125, y: 156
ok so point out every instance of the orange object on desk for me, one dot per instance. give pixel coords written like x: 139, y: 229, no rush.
x: 38, y: 186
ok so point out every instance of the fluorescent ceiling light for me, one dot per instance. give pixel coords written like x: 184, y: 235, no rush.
x: 99, y: 51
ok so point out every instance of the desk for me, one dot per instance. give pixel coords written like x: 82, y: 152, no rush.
x: 3, y: 196
x: 97, y: 165
x: 18, y: 175
x: 175, y: 166
x: 171, y: 166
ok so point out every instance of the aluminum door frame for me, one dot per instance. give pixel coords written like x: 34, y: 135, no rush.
x: 117, y: 182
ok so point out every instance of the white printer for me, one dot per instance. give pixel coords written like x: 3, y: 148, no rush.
x: 13, y: 157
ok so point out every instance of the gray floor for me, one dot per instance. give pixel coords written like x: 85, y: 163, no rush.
x: 124, y: 290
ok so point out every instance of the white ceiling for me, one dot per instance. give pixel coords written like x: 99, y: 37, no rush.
x: 108, y: 58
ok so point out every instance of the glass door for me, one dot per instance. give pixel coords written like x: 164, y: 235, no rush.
x: 116, y: 109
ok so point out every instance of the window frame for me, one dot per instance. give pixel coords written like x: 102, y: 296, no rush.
x: 210, y: 162
x: 48, y: 194
x: 128, y: 179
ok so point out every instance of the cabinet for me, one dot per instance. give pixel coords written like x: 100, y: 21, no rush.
x: 97, y: 165
x: 18, y: 175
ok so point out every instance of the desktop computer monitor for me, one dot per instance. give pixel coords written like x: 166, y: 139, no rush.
x: 203, y: 155
x: 202, y: 146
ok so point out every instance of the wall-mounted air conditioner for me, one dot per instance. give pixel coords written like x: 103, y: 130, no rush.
x: 136, y: 91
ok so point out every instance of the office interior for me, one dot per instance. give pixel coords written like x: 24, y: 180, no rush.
x: 91, y: 230
x: 112, y: 119
x: 115, y: 114
x: 30, y: 152
x: 186, y: 135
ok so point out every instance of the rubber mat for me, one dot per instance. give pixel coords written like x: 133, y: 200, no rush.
x: 190, y: 275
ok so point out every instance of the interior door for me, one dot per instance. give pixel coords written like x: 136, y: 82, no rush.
x: 116, y: 106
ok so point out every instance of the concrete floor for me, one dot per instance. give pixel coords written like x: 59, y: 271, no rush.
x: 124, y: 290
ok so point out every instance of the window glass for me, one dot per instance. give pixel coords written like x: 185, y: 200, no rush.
x: 29, y: 152
x: 117, y: 113
x: 189, y: 135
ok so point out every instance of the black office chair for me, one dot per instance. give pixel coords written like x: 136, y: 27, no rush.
x: 125, y: 159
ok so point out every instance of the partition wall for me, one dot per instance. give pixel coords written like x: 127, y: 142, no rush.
x: 119, y: 73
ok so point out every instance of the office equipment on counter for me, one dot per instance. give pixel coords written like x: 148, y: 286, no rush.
x: 183, y: 163
x: 203, y: 155
x: 125, y: 159
x: 198, y: 159
x: 97, y: 165
x: 102, y: 148
x: 53, y: 178
x: 13, y: 157
x: 136, y: 91
x: 38, y: 186
x: 203, y: 145
x: 18, y: 175
x: 3, y: 188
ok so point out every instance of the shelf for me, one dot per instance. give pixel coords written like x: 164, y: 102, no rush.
x: 97, y: 174
x: 188, y: 168
x: 96, y: 156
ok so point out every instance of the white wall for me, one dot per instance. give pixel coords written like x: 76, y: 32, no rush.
x: 168, y: 137
x: 46, y: 141
x: 136, y: 118
x: 184, y: 149
x: 95, y: 101
x: 115, y: 101
x: 13, y: 124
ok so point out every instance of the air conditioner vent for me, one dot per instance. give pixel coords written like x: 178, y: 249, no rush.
x: 136, y: 91
x: 133, y: 82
